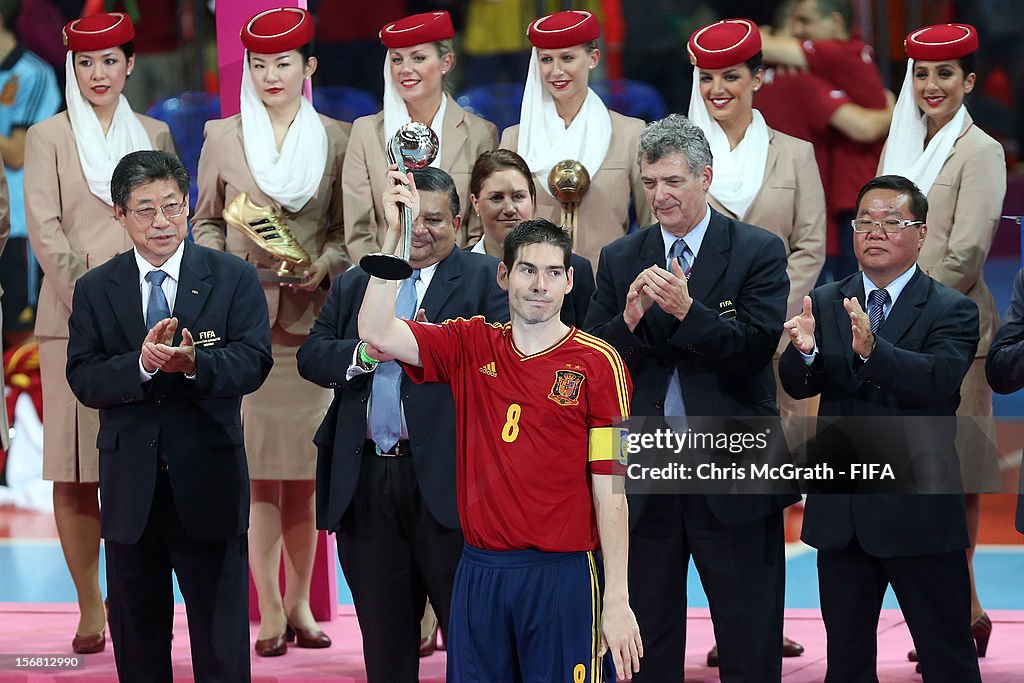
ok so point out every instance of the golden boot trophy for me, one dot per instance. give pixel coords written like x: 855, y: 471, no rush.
x: 569, y: 181
x: 268, y: 230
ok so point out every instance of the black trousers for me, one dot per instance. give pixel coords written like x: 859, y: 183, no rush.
x: 742, y: 569
x: 934, y: 594
x: 395, y: 555
x: 213, y: 577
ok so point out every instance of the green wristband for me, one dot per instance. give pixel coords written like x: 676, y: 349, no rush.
x: 365, y: 359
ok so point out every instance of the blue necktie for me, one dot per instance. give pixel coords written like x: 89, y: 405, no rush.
x: 877, y: 300
x: 157, y: 309
x: 680, y: 251
x: 385, y: 399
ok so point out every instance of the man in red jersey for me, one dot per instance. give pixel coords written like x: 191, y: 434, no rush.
x: 535, y: 404
x: 844, y: 88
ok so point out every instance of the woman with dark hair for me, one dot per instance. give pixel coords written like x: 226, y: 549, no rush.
x: 562, y: 118
x: 761, y: 177
x: 420, y: 55
x: 69, y: 159
x: 503, y: 194
x: 933, y: 141
x: 287, y: 158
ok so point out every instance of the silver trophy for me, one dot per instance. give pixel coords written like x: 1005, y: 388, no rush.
x: 414, y: 146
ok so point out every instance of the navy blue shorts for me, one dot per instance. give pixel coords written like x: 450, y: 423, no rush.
x: 526, y: 616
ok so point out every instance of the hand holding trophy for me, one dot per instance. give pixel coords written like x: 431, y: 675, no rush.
x: 569, y: 181
x: 268, y: 229
x: 414, y: 146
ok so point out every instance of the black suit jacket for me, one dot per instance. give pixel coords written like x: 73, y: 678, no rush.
x: 192, y: 425
x: 722, y: 349
x: 923, y: 350
x: 463, y: 285
x: 1004, y: 366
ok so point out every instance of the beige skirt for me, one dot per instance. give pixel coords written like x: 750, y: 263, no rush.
x: 976, y: 437
x: 280, y: 419
x: 69, y: 428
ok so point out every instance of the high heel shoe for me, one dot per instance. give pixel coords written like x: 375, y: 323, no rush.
x: 307, y: 637
x: 89, y: 644
x: 274, y: 646
x: 981, y: 631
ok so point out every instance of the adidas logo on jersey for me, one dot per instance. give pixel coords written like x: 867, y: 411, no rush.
x: 490, y: 370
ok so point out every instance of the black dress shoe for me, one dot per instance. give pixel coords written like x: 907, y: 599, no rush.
x: 790, y: 648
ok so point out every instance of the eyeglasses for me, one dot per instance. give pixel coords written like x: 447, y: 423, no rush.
x: 890, y: 226
x: 148, y: 214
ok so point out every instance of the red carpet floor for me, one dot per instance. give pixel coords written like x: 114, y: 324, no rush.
x: 43, y: 629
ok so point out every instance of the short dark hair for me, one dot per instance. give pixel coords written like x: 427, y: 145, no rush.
x: 918, y: 202
x: 432, y: 179
x: 146, y: 166
x: 755, y: 63
x: 967, y: 64
x: 494, y: 160
x: 536, y: 231
x: 843, y: 7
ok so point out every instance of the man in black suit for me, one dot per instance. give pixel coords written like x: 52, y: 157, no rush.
x: 386, y: 475
x: 695, y: 306
x: 173, y: 477
x: 902, y: 355
x: 1005, y: 364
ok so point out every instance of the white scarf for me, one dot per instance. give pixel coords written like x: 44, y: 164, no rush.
x: 543, y: 138
x: 396, y: 113
x: 739, y: 173
x: 289, y: 177
x: 98, y: 153
x: 903, y: 150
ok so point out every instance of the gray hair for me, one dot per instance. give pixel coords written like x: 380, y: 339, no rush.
x: 431, y: 179
x: 146, y: 166
x: 674, y: 134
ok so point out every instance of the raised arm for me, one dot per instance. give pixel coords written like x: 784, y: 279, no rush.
x: 378, y: 325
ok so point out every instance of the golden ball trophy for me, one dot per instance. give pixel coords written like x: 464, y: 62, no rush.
x: 569, y: 181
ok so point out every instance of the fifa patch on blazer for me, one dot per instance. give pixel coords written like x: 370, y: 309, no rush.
x: 727, y: 310
x: 206, y: 338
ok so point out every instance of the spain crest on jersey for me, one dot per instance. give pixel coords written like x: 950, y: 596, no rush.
x: 566, y: 389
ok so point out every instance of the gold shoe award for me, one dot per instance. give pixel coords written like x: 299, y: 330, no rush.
x: 268, y: 230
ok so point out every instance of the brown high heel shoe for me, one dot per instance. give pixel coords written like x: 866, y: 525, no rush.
x: 307, y: 637
x: 89, y: 644
x: 274, y: 646
x: 981, y: 631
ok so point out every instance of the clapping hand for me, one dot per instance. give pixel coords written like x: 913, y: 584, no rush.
x: 801, y: 329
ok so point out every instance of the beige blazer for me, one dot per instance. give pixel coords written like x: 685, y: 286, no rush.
x: 318, y: 226
x: 464, y: 137
x: 960, y: 233
x: 604, y: 212
x: 70, y: 229
x: 790, y: 204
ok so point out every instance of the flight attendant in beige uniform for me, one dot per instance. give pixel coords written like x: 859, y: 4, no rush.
x: 761, y: 177
x: 287, y: 158
x: 562, y: 118
x: 419, y: 57
x: 934, y: 142
x: 69, y: 159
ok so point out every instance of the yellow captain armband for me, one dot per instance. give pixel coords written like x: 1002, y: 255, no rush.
x: 607, y: 444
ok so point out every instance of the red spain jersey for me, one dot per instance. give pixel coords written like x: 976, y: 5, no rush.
x: 522, y: 427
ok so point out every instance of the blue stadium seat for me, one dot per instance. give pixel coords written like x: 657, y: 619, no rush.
x: 499, y: 103
x: 343, y: 103
x: 631, y: 98
x: 186, y: 115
